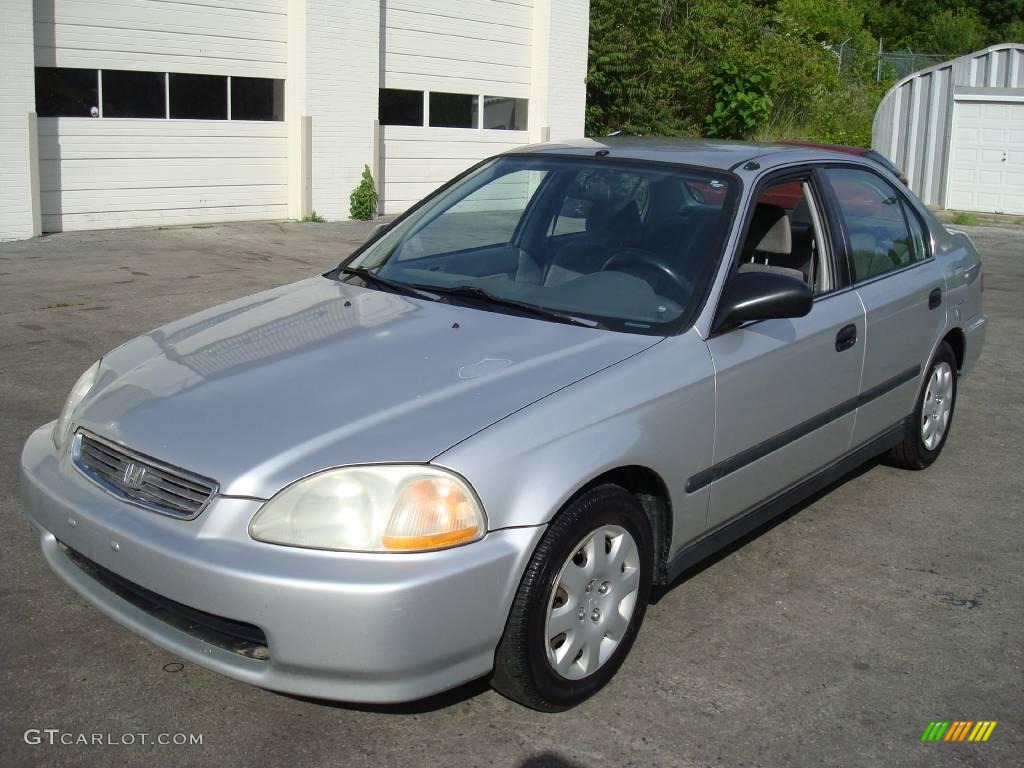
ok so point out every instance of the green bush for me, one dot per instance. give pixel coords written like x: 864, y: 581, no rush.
x: 742, y: 102
x: 965, y: 218
x: 363, y: 200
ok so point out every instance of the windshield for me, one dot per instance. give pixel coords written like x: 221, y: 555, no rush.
x: 630, y: 247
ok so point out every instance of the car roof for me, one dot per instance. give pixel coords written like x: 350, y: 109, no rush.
x: 847, y: 149
x: 706, y: 153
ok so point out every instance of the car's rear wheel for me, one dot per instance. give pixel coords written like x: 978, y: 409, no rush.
x: 580, y: 603
x: 929, y: 427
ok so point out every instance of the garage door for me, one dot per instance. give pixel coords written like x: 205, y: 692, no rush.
x: 986, y: 168
x: 154, y: 112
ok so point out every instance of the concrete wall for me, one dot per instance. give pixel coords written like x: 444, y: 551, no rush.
x: 341, y: 83
x: 18, y: 209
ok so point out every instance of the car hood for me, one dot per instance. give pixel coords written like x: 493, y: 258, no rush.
x: 267, y: 389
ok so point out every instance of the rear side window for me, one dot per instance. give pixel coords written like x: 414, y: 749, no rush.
x: 884, y: 234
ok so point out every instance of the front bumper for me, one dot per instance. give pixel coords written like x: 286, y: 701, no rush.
x: 345, y: 626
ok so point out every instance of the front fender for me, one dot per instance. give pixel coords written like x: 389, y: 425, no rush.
x: 655, y: 410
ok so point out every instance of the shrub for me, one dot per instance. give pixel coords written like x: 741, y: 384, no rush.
x: 313, y: 218
x: 363, y: 200
x: 966, y: 219
x: 742, y: 102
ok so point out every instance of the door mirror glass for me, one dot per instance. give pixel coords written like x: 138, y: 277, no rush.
x: 761, y: 296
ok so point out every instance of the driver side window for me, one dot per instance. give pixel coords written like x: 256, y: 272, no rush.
x: 785, y: 235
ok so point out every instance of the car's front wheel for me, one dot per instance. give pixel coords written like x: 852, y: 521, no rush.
x: 933, y: 416
x: 580, y: 603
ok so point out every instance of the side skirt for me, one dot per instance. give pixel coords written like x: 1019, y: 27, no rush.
x: 753, y: 518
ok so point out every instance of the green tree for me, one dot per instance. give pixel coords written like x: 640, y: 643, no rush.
x: 1013, y: 32
x: 954, y: 32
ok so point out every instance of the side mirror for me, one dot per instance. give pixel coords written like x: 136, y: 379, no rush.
x: 377, y: 231
x: 761, y: 296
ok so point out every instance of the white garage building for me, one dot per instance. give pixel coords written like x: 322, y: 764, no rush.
x: 957, y: 131
x: 117, y: 113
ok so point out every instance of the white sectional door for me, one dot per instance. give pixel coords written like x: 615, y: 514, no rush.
x: 986, y: 164
x: 130, y: 170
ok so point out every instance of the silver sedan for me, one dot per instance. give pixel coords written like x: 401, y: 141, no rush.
x: 473, y: 447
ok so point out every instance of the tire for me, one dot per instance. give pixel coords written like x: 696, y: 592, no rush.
x: 585, y: 577
x: 935, y: 405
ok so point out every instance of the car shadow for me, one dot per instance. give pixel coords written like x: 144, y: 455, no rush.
x: 660, y: 591
x: 438, y: 701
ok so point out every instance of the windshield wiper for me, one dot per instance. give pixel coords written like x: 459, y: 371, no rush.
x: 475, y: 292
x: 372, y: 277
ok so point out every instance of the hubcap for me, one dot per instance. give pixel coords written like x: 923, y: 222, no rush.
x: 592, y: 602
x: 938, y: 404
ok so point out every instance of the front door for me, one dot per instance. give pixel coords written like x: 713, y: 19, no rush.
x: 786, y: 389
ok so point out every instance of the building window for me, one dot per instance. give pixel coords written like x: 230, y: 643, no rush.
x: 66, y: 92
x: 503, y: 113
x: 133, y: 94
x: 400, y: 107
x: 453, y: 110
x: 257, y: 98
x: 199, y: 97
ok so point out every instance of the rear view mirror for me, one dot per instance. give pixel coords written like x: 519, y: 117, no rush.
x: 761, y: 296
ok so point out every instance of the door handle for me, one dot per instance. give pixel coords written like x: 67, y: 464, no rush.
x: 935, y: 298
x: 846, y: 337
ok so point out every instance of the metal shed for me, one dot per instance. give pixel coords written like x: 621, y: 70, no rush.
x: 957, y: 130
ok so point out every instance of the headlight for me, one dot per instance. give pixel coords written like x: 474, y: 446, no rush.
x: 373, y: 508
x: 85, y: 383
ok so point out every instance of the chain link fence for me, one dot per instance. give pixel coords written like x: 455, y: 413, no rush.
x: 886, y: 65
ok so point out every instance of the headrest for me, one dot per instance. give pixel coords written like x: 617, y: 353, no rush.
x: 622, y: 225
x: 769, y: 230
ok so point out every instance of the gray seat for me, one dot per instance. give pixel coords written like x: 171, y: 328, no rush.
x: 769, y: 244
x: 609, y: 231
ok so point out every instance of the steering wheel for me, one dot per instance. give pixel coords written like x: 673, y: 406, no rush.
x: 651, y: 263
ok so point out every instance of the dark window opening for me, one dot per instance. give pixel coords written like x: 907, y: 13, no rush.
x: 133, y: 94
x: 502, y: 113
x: 257, y: 98
x: 199, y: 97
x: 400, y: 107
x: 453, y: 110
x: 62, y: 92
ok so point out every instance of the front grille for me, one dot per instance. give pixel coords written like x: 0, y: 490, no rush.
x: 140, y: 479
x: 236, y: 636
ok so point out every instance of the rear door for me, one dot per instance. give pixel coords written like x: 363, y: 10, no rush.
x: 902, y: 289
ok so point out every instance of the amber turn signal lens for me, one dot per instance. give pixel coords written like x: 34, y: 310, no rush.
x: 432, y: 514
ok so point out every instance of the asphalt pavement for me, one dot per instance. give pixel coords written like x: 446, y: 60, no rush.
x: 831, y: 638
